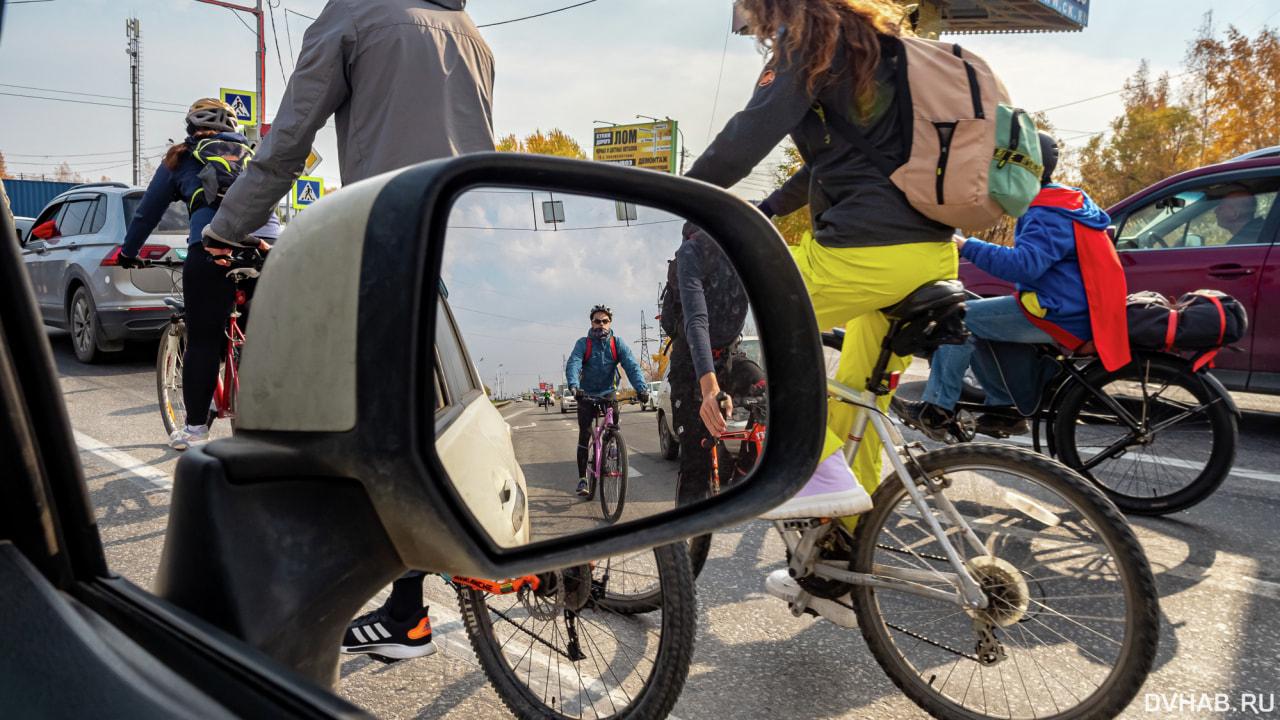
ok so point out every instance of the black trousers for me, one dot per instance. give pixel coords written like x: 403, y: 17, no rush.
x: 209, y: 296
x: 740, y: 378
x: 586, y: 410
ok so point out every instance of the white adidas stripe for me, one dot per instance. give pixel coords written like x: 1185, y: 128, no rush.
x: 381, y: 631
x: 359, y: 635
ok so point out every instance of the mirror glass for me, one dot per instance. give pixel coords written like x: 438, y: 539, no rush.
x: 523, y: 270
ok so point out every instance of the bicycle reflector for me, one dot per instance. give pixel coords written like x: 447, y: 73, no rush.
x: 894, y: 379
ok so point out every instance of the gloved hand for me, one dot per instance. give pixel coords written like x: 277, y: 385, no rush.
x: 644, y: 398
x: 214, y: 241
x: 131, y: 262
x: 577, y: 394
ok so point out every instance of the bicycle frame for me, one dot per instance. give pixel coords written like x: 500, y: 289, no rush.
x: 597, y: 430
x: 229, y: 380
x: 812, y: 531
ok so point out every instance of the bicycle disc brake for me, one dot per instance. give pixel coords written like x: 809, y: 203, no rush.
x: 546, y: 602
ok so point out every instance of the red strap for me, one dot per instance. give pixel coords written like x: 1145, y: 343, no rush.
x: 1222, y: 316
x: 613, y: 342
x: 1206, y: 359
x: 1172, y: 331
x: 1104, y: 286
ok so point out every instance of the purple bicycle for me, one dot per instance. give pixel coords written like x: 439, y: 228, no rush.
x: 606, y: 458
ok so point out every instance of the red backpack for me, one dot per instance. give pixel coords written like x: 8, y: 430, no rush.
x: 613, y: 344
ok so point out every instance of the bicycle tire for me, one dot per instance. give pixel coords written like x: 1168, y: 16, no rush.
x: 1042, y: 532
x: 699, y: 549
x: 526, y: 686
x: 613, y: 475
x: 1084, y: 422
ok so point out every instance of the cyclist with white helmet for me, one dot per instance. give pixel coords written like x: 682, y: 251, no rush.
x: 186, y: 174
x: 592, y: 370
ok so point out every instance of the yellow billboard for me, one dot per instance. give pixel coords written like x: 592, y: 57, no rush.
x: 649, y: 145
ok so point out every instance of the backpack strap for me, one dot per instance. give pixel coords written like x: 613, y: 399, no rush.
x: 613, y: 341
x: 850, y: 133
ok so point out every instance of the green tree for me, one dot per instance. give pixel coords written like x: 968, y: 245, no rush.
x: 552, y: 142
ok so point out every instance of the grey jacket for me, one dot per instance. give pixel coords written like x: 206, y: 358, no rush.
x: 409, y: 81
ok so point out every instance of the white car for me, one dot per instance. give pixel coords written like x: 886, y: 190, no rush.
x: 567, y: 400
x: 652, y: 404
x: 474, y: 443
x: 660, y: 398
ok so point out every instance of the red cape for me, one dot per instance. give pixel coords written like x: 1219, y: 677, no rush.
x: 1104, y: 286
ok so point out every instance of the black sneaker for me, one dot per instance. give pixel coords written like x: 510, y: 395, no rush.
x: 582, y: 488
x: 928, y: 418
x: 377, y: 633
x: 1001, y: 426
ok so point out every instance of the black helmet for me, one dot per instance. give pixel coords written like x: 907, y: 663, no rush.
x: 1049, y: 156
x: 600, y: 308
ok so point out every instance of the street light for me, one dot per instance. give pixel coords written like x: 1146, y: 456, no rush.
x: 261, y: 66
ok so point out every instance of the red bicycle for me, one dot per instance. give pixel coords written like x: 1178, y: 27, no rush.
x: 173, y: 348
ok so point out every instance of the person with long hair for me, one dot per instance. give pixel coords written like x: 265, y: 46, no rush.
x: 868, y: 248
x: 208, y: 294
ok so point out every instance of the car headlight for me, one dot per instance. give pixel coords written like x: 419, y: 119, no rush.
x: 517, y: 513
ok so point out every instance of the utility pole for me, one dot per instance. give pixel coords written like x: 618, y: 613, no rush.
x: 644, y: 336
x: 662, y: 334
x: 133, y: 30
x: 255, y: 132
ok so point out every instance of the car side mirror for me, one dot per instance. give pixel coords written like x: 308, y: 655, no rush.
x: 365, y: 441
x: 1111, y: 232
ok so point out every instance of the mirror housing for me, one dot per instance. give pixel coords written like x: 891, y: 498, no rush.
x: 334, y: 398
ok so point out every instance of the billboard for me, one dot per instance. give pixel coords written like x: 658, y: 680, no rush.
x: 648, y: 145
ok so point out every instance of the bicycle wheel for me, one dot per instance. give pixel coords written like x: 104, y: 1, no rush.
x: 1181, y: 451
x: 547, y: 659
x: 613, y: 475
x: 1073, y: 621
x: 699, y: 549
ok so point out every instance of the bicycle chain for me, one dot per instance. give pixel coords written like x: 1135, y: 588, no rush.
x: 934, y: 643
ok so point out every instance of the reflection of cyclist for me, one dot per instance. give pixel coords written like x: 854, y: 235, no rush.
x: 869, y: 248
x: 209, y: 295
x: 546, y: 399
x: 705, y: 357
x: 592, y: 369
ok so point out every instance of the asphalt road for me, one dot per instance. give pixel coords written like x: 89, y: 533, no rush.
x: 1216, y: 566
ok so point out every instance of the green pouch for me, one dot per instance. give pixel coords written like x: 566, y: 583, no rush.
x: 1016, y: 166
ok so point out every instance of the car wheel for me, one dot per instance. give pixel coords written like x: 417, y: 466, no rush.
x: 82, y: 319
x: 667, y: 442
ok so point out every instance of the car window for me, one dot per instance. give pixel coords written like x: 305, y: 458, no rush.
x: 452, y: 357
x: 98, y: 217
x: 72, y: 220
x: 174, y: 221
x: 1214, y: 215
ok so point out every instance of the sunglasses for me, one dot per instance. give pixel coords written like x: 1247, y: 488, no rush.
x: 600, y: 321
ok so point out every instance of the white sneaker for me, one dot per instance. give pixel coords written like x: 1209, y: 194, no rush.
x: 189, y: 437
x: 833, y: 491
x: 781, y: 585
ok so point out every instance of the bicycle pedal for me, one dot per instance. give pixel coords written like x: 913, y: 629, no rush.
x: 803, y: 523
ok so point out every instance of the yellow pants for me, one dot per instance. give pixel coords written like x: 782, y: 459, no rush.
x: 849, y: 286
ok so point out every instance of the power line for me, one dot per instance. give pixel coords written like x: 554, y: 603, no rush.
x: 76, y: 155
x: 87, y: 102
x: 508, y: 317
x: 719, y: 77
x: 85, y: 94
x: 276, y: 37
x: 287, y: 10
x: 530, y: 17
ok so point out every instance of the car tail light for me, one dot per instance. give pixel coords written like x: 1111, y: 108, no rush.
x: 147, y: 252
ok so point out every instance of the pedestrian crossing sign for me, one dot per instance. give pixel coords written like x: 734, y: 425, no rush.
x: 242, y: 104
x: 307, y: 190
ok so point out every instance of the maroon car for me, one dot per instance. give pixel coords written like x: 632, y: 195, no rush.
x: 1213, y: 227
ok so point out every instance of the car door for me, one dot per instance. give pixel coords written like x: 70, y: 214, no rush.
x: 35, y: 254
x: 1192, y: 237
x: 64, y: 248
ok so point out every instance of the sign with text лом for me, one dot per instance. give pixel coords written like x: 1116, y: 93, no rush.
x: 243, y: 104
x: 649, y: 145
x: 307, y: 190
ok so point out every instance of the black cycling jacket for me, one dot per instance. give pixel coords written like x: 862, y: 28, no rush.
x: 851, y: 203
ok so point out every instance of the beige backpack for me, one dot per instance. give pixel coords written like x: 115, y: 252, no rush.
x: 971, y: 157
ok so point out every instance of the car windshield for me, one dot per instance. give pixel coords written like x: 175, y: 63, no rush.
x: 751, y: 346
x: 173, y: 222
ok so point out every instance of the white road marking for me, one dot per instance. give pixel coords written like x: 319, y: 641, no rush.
x: 524, y: 427
x: 138, y: 472
x: 1173, y: 462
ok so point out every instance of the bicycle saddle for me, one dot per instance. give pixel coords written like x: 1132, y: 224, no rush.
x: 932, y: 297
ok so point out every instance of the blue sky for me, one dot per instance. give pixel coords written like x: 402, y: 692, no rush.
x: 610, y: 60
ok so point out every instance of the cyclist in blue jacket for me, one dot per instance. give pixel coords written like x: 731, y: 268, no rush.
x: 592, y: 370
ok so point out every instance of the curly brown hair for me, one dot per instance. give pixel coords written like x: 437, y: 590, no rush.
x: 814, y: 29
x: 175, y: 153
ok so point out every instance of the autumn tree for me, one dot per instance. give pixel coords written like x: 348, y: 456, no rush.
x: 795, y: 225
x: 1152, y: 139
x: 1234, y: 90
x: 64, y: 173
x: 552, y: 142
x: 4, y: 171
